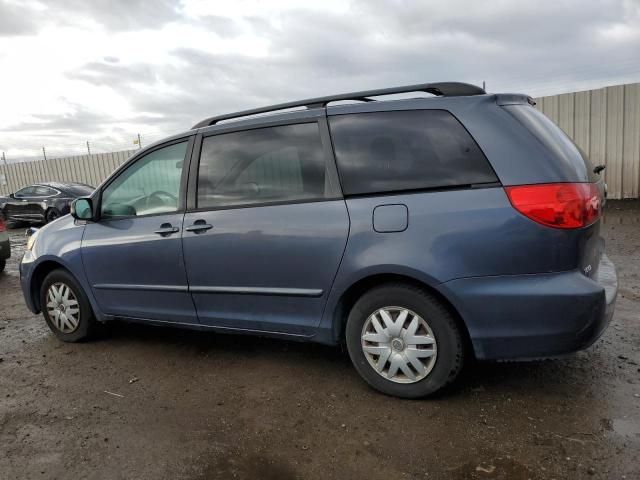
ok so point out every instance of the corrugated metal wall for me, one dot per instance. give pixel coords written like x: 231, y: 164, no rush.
x: 605, y: 123
x: 91, y: 169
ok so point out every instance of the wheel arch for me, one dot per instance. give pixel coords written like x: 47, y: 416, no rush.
x: 363, y: 285
x: 37, y: 279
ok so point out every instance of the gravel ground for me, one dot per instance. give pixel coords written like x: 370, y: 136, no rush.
x: 151, y: 403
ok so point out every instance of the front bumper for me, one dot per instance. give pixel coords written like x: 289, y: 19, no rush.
x: 27, y: 267
x: 537, y: 315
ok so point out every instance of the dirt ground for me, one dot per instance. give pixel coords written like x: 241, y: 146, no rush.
x: 152, y: 403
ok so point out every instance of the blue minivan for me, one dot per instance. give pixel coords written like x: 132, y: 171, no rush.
x: 418, y: 231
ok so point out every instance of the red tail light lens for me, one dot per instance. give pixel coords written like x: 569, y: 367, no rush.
x: 3, y: 226
x: 558, y: 205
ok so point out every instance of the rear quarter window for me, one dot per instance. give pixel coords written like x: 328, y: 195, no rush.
x: 406, y: 150
x: 555, y: 140
x: 80, y: 190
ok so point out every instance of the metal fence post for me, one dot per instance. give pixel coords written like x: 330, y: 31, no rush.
x: 6, y: 172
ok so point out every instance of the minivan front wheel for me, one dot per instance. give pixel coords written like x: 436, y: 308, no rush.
x: 65, y: 307
x: 403, y: 341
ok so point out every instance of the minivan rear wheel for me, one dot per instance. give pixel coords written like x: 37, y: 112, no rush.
x: 65, y: 307
x: 403, y: 341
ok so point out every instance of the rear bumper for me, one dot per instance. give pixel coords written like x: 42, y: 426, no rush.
x: 537, y: 315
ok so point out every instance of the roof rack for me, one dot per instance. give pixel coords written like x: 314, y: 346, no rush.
x: 441, y: 89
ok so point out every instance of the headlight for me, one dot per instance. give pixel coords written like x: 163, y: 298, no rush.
x: 32, y: 240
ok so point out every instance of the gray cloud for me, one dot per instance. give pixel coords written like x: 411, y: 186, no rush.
x: 16, y: 20
x: 114, y: 74
x: 222, y: 26
x: 113, y: 15
x: 118, y: 15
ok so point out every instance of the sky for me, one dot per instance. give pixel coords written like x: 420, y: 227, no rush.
x: 104, y: 71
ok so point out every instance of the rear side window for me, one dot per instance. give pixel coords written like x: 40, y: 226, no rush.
x: 41, y: 191
x: 274, y: 164
x: 406, y: 150
x: 80, y: 190
x: 552, y: 137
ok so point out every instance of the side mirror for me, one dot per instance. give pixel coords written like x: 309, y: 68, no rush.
x: 12, y: 195
x: 82, y: 209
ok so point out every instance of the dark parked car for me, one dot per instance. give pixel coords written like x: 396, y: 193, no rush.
x: 418, y: 232
x: 42, y: 202
x: 5, y: 246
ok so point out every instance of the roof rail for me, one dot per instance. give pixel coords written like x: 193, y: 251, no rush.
x: 441, y: 89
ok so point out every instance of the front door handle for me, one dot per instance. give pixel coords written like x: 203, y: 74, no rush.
x: 167, y: 229
x: 199, y: 226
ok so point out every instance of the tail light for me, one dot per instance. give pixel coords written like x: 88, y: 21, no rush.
x: 558, y: 205
x: 3, y: 226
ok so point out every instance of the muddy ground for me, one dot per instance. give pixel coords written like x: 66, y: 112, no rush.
x: 190, y: 405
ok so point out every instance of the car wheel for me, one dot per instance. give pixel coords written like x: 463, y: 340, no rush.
x: 403, y: 341
x: 65, y: 307
x: 52, y: 214
x: 3, y: 265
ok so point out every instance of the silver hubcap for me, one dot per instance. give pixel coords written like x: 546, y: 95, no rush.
x: 63, y: 308
x: 399, y: 344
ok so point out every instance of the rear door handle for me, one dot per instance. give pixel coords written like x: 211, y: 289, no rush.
x: 199, y: 226
x: 167, y: 229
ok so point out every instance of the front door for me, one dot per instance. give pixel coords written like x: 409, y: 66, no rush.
x: 265, y: 239
x: 18, y: 206
x: 133, y: 254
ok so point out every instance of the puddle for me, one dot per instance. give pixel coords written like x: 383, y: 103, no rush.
x: 626, y: 427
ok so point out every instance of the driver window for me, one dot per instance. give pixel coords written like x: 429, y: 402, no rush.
x: 150, y: 186
x: 25, y: 192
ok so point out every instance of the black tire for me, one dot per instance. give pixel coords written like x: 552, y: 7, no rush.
x: 3, y: 265
x: 52, y: 214
x: 12, y: 224
x: 450, y: 344
x: 87, y: 324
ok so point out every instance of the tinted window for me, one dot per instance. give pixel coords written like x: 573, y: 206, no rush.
x: 26, y: 192
x: 41, y: 191
x: 150, y: 186
x: 265, y: 165
x: 552, y: 136
x: 79, y: 190
x: 406, y: 150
